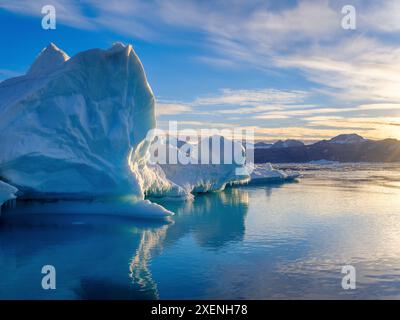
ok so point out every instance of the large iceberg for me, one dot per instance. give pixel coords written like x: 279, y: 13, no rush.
x: 77, y: 126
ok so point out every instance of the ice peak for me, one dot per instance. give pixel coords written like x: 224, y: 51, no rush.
x: 120, y: 47
x: 48, y: 60
x: 51, y: 46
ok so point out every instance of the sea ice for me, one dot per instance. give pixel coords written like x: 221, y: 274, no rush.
x: 266, y: 172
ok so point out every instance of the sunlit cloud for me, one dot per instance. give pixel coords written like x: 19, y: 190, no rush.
x: 252, y: 97
x: 171, y: 108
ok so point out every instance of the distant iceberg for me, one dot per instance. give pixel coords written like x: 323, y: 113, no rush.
x: 266, y: 173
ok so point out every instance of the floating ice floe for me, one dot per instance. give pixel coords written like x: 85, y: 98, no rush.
x: 266, y: 173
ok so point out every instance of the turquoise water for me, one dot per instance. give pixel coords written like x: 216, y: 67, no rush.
x: 250, y: 242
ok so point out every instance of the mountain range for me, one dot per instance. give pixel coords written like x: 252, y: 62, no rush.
x: 342, y: 148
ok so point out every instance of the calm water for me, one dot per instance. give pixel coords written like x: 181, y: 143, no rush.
x: 277, y: 241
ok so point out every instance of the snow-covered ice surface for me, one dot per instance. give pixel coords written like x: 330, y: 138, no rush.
x: 347, y: 139
x: 266, y: 172
x: 7, y: 192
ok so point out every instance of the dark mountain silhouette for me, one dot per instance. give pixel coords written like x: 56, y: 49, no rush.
x: 262, y: 144
x: 287, y: 144
x: 343, y: 148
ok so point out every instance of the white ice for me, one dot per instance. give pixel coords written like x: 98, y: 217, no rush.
x: 266, y: 172
x: 7, y: 192
x: 195, y: 176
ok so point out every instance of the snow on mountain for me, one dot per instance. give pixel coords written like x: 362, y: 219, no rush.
x: 78, y: 126
x: 347, y: 138
x: 262, y: 145
x: 287, y: 144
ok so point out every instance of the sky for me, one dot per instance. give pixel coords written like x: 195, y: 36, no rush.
x: 286, y: 69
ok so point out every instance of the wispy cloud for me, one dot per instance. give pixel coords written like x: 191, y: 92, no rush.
x: 356, y: 69
x: 5, y: 73
x: 171, y: 108
x: 253, y: 97
x: 349, y: 74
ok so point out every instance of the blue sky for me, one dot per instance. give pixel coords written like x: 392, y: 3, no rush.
x: 286, y: 69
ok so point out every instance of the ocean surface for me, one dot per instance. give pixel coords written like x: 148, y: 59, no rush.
x: 272, y: 241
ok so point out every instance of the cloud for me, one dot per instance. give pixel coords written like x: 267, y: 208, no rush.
x: 382, y: 16
x: 357, y: 70
x: 239, y: 101
x: 5, y: 74
x: 172, y: 108
x: 216, y: 61
x: 253, y: 97
x: 285, y: 113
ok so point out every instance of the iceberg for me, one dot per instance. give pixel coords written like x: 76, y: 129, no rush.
x: 77, y: 128
x: 195, y: 176
x: 7, y: 193
x: 267, y: 173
